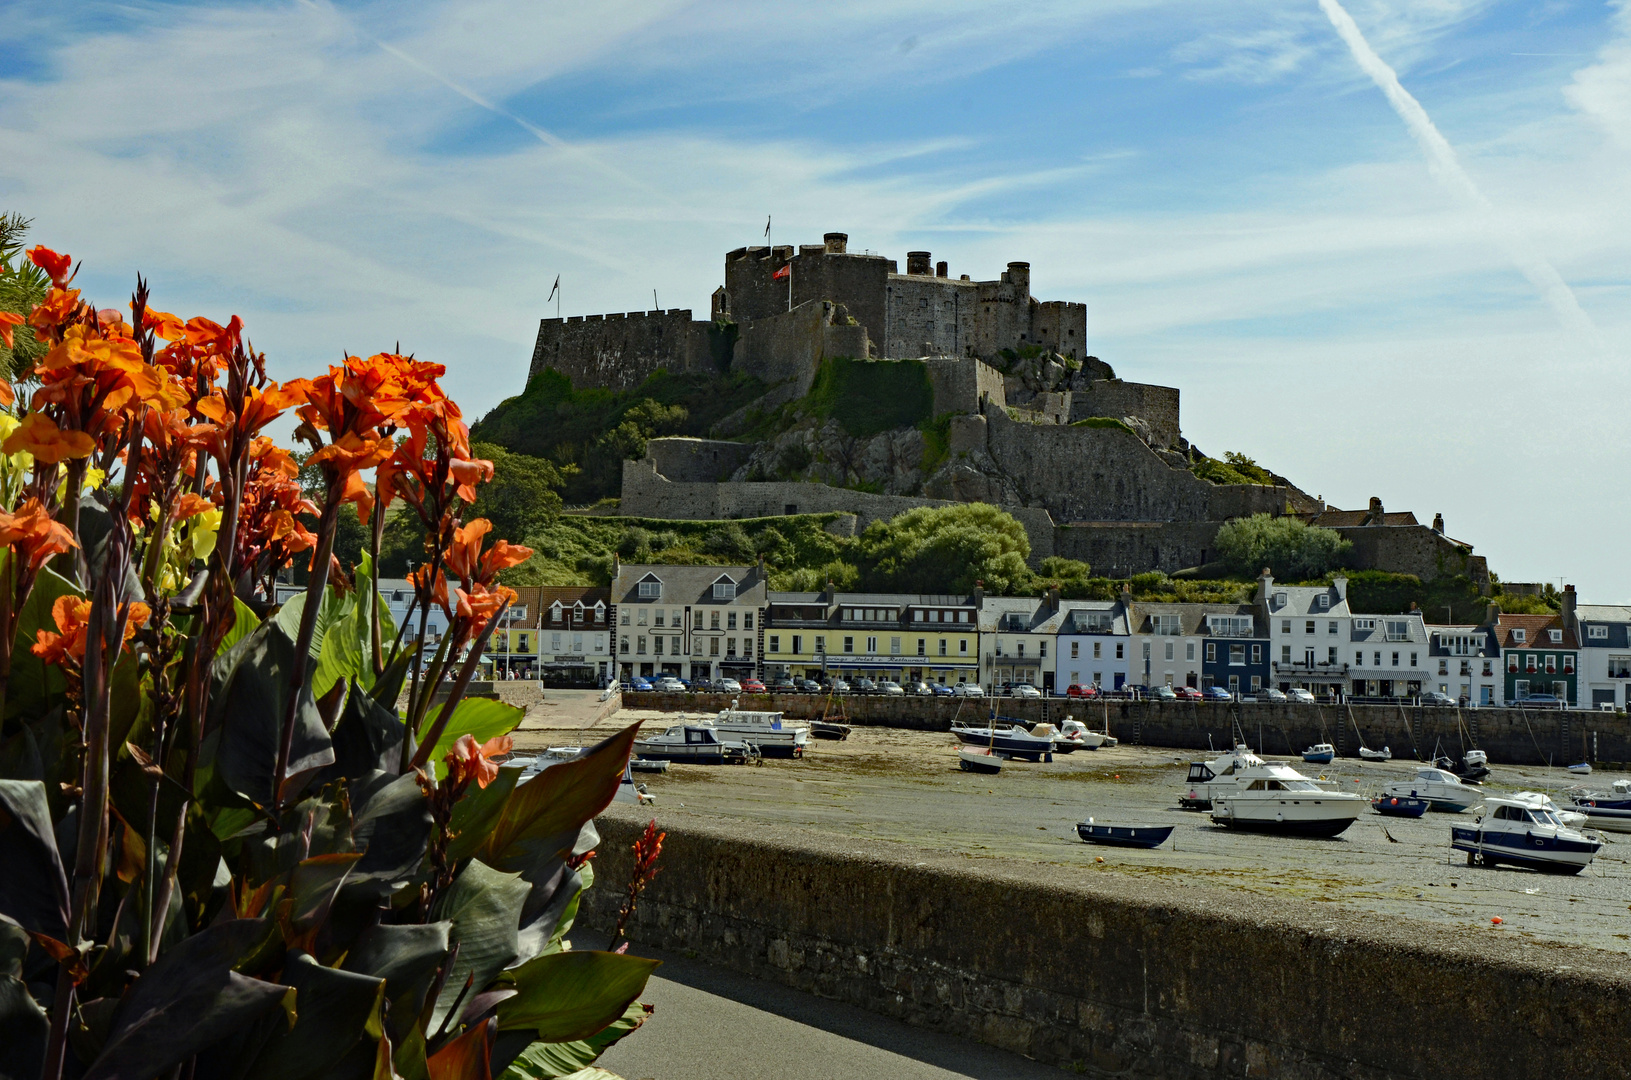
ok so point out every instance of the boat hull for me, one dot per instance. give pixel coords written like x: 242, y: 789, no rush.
x: 1613, y: 817
x: 1552, y: 854
x: 978, y: 761
x: 1322, y: 758
x: 1291, y: 817
x: 1135, y: 836
x: 1405, y: 806
x: 692, y: 755
x: 823, y: 729
x: 1025, y: 749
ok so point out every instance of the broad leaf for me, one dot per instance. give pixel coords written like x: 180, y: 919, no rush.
x: 252, y: 714
x: 465, y: 1058
x: 544, y: 815
x: 344, y: 652
x: 188, y: 1000
x: 547, y: 1060
x: 476, y: 813
x: 23, y: 1030
x: 484, y: 906
x: 389, y: 686
x: 33, y: 684
x: 480, y: 718
x: 407, y: 958
x: 367, y: 739
x: 573, y: 995
x: 334, y: 607
x: 244, y: 623
x: 33, y: 888
x: 333, y: 1012
x: 314, y: 884
x: 391, y: 827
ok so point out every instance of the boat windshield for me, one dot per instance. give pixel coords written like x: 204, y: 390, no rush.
x: 1300, y: 785
x: 1545, y: 817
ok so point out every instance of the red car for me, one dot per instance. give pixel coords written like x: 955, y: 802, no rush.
x: 1188, y: 693
x: 1078, y: 690
x: 752, y: 686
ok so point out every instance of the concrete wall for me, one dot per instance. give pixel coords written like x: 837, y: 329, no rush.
x: 1157, y: 406
x: 619, y: 351
x: 697, y: 460
x: 1510, y: 736
x: 1109, y: 975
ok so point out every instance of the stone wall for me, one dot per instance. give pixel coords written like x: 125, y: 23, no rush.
x: 783, y: 350
x: 963, y: 385
x: 1510, y: 736
x: 697, y: 460
x: 619, y: 351
x: 930, y: 316
x: 1413, y: 549
x: 650, y: 493
x: 1110, y: 975
x: 1157, y: 406
x: 856, y: 281
x: 1125, y: 548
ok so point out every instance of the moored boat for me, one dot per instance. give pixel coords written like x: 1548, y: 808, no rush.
x: 1444, y: 790
x: 1515, y: 831
x: 1400, y: 805
x: 978, y: 759
x: 696, y: 744
x: 1320, y: 754
x: 1080, y: 736
x: 1582, y: 769
x: 1278, y: 798
x: 1368, y: 754
x: 652, y: 765
x: 826, y: 729
x: 1610, y: 811
x: 1218, y: 776
x: 1139, y: 836
x: 769, y: 731
x: 1010, y: 738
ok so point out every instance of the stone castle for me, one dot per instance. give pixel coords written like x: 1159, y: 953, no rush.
x: 1096, y: 467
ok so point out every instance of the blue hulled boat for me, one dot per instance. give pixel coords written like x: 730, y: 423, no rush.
x: 1320, y: 754
x: 1400, y: 805
x: 1139, y: 836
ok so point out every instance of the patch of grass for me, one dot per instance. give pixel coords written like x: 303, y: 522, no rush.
x: 1236, y: 468
x: 936, y: 442
x: 869, y: 397
x: 1101, y: 422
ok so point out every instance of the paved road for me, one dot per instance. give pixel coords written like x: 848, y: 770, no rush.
x: 711, y: 1024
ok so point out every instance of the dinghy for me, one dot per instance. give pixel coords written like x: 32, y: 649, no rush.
x: 979, y: 759
x: 1383, y: 754
x: 1139, y: 836
x: 1582, y: 769
x: 1400, y: 805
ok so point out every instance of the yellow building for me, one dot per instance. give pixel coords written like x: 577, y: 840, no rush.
x: 906, y: 637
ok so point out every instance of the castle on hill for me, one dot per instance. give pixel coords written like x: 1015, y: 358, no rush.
x: 1015, y: 412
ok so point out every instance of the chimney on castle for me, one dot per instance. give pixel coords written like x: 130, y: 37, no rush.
x: 1019, y: 276
x: 941, y: 269
x: 1438, y: 523
x: 836, y: 242
x: 1375, y: 517
x: 917, y: 262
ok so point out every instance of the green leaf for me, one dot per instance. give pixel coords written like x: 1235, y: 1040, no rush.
x: 33, y: 684
x: 556, y: 803
x: 367, y: 739
x: 481, y: 718
x: 252, y: 712
x: 407, y: 958
x: 33, y: 888
x: 391, y: 827
x: 484, y: 906
x: 475, y: 814
x: 333, y: 1012
x: 23, y: 1029
x: 343, y: 654
x: 547, y: 1060
x: 244, y: 623
x: 335, y: 606
x: 573, y: 995
x: 187, y: 1001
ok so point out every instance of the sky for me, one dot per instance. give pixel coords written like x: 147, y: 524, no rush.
x: 1382, y: 246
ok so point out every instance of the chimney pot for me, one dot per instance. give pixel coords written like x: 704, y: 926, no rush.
x: 941, y: 269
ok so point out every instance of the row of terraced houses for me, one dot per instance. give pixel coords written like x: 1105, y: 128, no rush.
x: 711, y: 622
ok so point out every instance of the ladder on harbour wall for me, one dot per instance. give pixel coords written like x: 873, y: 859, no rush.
x: 1138, y: 726
x: 1563, y: 738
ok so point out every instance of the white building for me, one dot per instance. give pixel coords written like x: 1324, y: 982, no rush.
x: 1167, y: 641
x: 1093, y: 646
x: 1604, y: 633
x: 696, y: 622
x: 1308, y: 634
x: 1019, y: 639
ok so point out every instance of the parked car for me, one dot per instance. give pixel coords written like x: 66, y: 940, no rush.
x: 639, y: 683
x: 1026, y: 690
x: 1301, y: 696
x: 864, y: 685
x: 1163, y: 693
x: 1540, y: 701
x: 1217, y: 693
x: 784, y: 686
x: 1271, y: 693
x: 890, y: 688
x: 1437, y: 698
x: 808, y: 686
x: 968, y: 689
x: 752, y: 686
x: 1188, y: 693
x: 1077, y: 690
x: 727, y: 686
x: 918, y: 689
x: 940, y: 689
x: 669, y: 685
x: 839, y: 686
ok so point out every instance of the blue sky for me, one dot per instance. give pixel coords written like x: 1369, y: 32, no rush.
x: 1245, y: 214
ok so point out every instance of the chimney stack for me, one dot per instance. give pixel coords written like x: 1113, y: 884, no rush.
x: 979, y: 595
x: 836, y: 242
x: 941, y: 269
x: 1438, y: 523
x: 1375, y: 517
x: 917, y: 262
x: 1568, y: 607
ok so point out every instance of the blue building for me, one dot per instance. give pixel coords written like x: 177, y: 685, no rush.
x: 1235, y: 648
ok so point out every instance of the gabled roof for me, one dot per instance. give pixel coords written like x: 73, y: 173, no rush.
x: 1535, y: 636
x: 1302, y: 601
x: 1603, y: 613
x: 1332, y: 518
x: 687, y: 584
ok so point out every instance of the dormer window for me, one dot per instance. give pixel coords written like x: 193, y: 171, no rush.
x: 555, y: 612
x: 1555, y: 635
x: 1518, y: 634
x: 1279, y: 599
x: 724, y: 589
x: 651, y: 587
x: 1325, y: 603
x: 600, y: 611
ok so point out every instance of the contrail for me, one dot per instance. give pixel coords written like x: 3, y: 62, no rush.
x: 1443, y: 163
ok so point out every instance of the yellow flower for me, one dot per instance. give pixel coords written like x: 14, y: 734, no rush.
x: 206, y: 526
x: 94, y: 478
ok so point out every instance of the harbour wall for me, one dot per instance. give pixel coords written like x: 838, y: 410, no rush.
x: 1110, y: 975
x: 1508, y: 736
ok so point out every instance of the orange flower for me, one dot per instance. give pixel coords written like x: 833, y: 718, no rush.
x: 468, y: 472
x: 467, y: 761
x: 8, y: 396
x: 72, y: 616
x: 52, y: 263
x: 190, y: 504
x: 464, y: 555
x: 501, y: 556
x: 212, y: 335
x: 164, y: 324
x: 32, y: 532
x: 9, y: 320
x: 47, y: 442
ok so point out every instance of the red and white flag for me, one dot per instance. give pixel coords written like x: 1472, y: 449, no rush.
x: 785, y: 271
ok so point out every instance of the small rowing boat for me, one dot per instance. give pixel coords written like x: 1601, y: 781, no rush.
x: 1400, y: 805
x: 1139, y: 836
x: 978, y: 759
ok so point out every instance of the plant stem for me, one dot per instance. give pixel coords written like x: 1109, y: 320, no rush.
x: 428, y: 743
x: 376, y: 535
x: 316, y: 586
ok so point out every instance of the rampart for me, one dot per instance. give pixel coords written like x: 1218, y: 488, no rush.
x: 1413, y: 549
x: 697, y: 460
x: 1157, y: 406
x: 619, y: 351
x: 650, y: 493
x: 963, y: 385
x: 1509, y: 736
x: 1114, y: 975
x: 784, y: 350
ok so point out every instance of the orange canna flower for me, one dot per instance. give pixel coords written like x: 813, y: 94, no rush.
x: 212, y: 335
x: 464, y: 555
x: 8, y: 396
x: 468, y: 472
x: 501, y: 556
x: 72, y: 616
x: 467, y: 761
x: 190, y: 504
x: 52, y: 263
x: 164, y: 324
x: 32, y: 532
x: 58, y: 307
x: 47, y: 442
x: 9, y: 321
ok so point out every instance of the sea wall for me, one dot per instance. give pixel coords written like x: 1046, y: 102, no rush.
x: 1113, y: 975
x: 1509, y: 736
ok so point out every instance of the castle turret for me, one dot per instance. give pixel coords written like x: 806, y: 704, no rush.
x: 917, y: 262
x: 836, y: 242
x: 1019, y: 276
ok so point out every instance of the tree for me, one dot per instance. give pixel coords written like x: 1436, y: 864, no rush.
x: 22, y: 285
x: 1289, y: 547
x: 941, y: 548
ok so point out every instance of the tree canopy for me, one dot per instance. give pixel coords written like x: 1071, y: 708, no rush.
x: 1287, y: 546
x: 945, y: 548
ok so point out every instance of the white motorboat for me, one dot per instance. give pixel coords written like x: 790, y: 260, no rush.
x: 1519, y: 832
x: 696, y: 744
x: 1443, y: 790
x: 1278, y: 798
x: 1074, y: 731
x: 1012, y: 739
x: 1572, y: 819
x: 769, y: 731
x: 1582, y: 769
x: 1207, y: 779
x: 1368, y: 754
x: 1611, y: 811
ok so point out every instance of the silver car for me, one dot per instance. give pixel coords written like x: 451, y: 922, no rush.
x: 890, y: 688
x: 968, y: 689
x: 1026, y: 690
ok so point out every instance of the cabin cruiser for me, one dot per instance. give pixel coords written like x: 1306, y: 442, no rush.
x: 696, y: 744
x: 1278, y: 798
x: 774, y: 736
x: 1208, y: 779
x: 1322, y: 753
x: 1443, y: 789
x: 627, y: 791
x: 1572, y: 819
x: 1519, y: 832
x: 1611, y: 810
x: 1011, y: 739
x: 1083, y: 737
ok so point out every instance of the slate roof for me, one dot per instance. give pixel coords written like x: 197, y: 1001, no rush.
x: 691, y: 585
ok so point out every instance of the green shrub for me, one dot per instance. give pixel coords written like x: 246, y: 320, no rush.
x: 1287, y: 546
x: 868, y: 397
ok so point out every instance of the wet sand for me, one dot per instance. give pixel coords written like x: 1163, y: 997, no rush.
x: 905, y: 786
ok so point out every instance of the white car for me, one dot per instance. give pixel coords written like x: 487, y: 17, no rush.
x: 1271, y: 693
x: 669, y: 686
x: 968, y: 689
x: 1026, y: 690
x: 890, y: 687
x: 1301, y: 696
